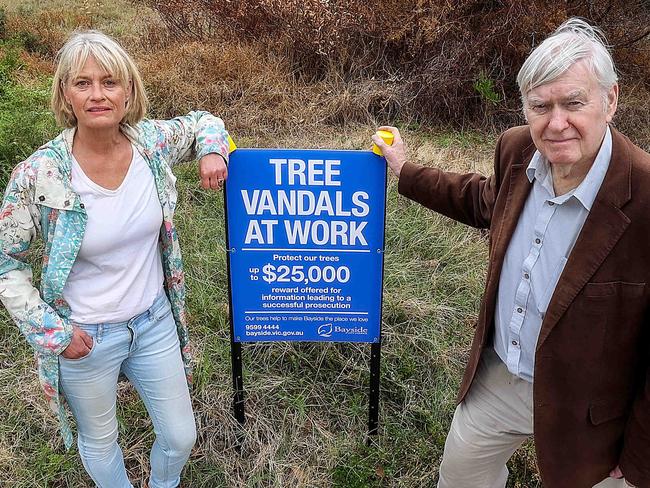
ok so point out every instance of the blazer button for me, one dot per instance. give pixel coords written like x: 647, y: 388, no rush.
x: 66, y: 203
x: 82, y: 205
x: 42, y: 198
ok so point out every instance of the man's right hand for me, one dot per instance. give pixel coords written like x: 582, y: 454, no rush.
x: 79, y: 346
x: 395, y: 154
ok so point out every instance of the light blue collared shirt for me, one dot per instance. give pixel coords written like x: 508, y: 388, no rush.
x: 541, y: 244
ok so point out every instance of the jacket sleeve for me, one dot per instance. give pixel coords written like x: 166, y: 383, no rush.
x: 190, y: 137
x: 634, y: 461
x: 44, y: 329
x: 467, y: 198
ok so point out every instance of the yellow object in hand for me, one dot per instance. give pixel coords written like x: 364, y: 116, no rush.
x: 388, y: 139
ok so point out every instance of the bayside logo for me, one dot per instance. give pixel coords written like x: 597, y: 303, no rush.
x: 325, y: 330
x: 351, y: 330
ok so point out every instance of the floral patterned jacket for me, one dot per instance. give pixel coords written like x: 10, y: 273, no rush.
x: 39, y: 200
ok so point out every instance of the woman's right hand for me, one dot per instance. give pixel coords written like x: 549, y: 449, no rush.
x: 79, y: 346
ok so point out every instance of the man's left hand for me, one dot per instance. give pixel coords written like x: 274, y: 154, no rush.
x: 618, y: 474
x: 213, y: 171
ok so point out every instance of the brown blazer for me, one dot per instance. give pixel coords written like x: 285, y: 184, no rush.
x: 592, y: 381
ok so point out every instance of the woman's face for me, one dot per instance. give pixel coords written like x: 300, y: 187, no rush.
x: 98, y: 99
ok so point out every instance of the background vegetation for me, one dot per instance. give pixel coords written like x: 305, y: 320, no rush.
x: 419, y: 60
x: 314, y: 73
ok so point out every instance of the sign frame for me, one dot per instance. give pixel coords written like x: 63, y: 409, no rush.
x: 375, y: 346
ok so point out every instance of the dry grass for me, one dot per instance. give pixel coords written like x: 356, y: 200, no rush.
x: 306, y: 403
x: 632, y: 114
x: 450, y: 62
x: 256, y: 91
x: 264, y: 81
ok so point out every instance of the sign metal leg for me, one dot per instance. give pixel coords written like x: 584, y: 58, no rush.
x: 238, y: 388
x: 237, y: 382
x: 373, y: 410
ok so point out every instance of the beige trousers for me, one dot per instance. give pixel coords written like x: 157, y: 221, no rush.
x: 495, y: 418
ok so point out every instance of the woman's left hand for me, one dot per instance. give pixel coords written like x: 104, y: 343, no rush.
x: 213, y: 171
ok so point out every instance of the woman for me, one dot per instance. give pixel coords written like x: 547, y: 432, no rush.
x: 102, y: 196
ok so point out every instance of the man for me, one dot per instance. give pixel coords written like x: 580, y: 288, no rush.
x: 562, y: 344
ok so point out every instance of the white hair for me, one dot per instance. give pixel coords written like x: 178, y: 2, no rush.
x: 575, y: 40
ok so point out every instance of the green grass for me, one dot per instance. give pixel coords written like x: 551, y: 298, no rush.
x: 306, y: 404
x: 25, y: 119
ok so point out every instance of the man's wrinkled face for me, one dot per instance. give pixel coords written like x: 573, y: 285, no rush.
x: 568, y: 116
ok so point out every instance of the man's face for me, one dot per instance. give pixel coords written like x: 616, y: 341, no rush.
x: 569, y: 115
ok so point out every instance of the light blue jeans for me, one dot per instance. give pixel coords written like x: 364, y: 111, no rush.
x: 147, y: 351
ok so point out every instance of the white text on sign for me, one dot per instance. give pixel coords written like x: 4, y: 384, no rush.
x: 283, y: 202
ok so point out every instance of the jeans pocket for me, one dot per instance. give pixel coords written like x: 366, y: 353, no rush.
x: 162, y: 311
x: 87, y: 356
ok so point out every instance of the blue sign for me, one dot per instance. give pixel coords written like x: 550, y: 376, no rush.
x: 305, y: 231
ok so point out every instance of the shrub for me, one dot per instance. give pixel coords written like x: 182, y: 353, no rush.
x: 448, y: 61
x: 44, y: 32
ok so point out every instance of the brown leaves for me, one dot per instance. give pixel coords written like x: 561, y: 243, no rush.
x: 437, y: 49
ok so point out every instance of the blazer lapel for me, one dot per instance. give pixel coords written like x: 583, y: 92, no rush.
x: 519, y: 188
x: 601, y: 231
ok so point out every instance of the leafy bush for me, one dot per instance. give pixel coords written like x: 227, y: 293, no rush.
x: 436, y: 55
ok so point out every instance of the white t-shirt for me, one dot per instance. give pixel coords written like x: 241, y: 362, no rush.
x: 118, y: 271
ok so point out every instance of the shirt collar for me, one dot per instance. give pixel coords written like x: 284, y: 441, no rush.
x: 586, y: 191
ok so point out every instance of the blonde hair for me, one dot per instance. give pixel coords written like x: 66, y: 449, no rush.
x: 112, y: 58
